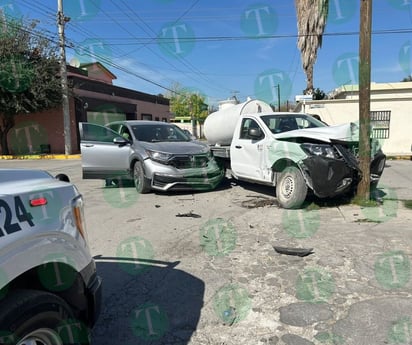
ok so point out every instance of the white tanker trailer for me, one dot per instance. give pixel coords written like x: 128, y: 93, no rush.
x: 292, y: 151
x: 220, y: 125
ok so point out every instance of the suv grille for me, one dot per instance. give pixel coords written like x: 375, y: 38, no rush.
x: 189, y: 161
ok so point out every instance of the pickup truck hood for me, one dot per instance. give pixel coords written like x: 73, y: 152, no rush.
x: 176, y: 147
x: 345, y: 132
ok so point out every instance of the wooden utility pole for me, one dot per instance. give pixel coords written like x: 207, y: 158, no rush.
x: 363, y: 192
x: 61, y: 21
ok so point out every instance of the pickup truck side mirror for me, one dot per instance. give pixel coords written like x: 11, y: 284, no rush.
x: 120, y: 141
x: 255, y: 133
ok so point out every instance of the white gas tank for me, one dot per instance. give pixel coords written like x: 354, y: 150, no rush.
x: 220, y: 125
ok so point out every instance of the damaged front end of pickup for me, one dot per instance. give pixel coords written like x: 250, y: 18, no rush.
x: 331, y: 169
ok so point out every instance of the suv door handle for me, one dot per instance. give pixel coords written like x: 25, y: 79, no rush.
x: 238, y: 146
x: 88, y: 145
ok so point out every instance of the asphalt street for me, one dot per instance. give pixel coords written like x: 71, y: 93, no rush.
x: 206, y: 267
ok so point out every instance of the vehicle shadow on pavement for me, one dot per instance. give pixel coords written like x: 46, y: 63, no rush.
x: 146, y: 302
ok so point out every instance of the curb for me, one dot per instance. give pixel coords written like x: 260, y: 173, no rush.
x: 29, y: 157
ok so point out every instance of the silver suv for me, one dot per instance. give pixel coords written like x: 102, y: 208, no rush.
x: 156, y: 155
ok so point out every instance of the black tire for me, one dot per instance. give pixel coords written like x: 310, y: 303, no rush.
x: 141, y: 183
x: 38, y: 317
x: 291, y: 188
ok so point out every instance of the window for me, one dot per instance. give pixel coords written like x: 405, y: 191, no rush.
x: 380, y: 123
x: 248, y: 124
x: 98, y: 133
x: 147, y: 117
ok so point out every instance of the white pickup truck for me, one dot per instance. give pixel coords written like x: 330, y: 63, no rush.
x: 49, y: 290
x: 293, y: 151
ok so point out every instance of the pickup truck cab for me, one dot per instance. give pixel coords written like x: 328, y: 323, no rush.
x: 295, y: 153
x: 49, y: 290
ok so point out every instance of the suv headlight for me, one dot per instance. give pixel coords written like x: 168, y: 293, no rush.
x: 160, y: 157
x: 323, y: 150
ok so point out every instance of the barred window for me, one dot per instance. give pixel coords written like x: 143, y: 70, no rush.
x: 380, y: 123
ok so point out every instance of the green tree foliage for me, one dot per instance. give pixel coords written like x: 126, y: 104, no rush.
x: 318, y: 94
x: 408, y: 78
x: 184, y: 102
x: 29, y: 74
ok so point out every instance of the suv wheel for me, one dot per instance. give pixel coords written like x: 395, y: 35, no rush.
x: 140, y: 181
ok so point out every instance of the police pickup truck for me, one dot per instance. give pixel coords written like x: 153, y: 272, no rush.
x: 49, y: 290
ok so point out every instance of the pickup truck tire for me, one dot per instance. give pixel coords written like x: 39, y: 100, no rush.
x: 291, y: 188
x: 37, y: 317
x: 140, y: 181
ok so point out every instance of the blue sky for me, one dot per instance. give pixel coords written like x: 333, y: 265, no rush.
x: 224, y: 48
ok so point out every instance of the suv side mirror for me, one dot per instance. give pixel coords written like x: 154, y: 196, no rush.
x: 120, y: 141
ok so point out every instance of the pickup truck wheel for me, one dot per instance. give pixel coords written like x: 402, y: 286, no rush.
x: 291, y: 188
x: 140, y: 181
x: 29, y: 317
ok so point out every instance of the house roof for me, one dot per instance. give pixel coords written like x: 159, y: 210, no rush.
x: 397, y: 86
x: 97, y: 64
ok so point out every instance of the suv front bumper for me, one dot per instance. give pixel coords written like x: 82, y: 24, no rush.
x: 166, y: 177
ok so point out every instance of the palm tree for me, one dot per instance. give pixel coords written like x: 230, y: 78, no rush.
x: 311, y: 16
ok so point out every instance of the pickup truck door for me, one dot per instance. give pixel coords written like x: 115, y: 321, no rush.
x: 105, y: 153
x: 247, y: 154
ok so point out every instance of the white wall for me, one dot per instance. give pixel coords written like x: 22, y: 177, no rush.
x: 341, y: 111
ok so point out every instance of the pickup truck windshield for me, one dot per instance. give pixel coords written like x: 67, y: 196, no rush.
x: 159, y: 132
x: 284, y: 123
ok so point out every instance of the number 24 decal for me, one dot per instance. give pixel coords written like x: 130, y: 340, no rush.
x: 6, y: 213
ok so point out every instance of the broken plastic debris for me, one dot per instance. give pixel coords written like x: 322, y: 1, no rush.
x: 293, y: 251
x: 189, y: 214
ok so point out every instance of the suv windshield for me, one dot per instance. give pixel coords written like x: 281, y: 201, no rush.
x: 284, y: 123
x: 159, y: 132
